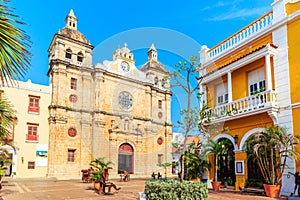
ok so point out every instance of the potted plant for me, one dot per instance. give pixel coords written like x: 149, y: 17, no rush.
x: 4, y: 165
x: 215, y: 148
x: 271, y: 148
x: 99, y: 165
x: 195, y: 165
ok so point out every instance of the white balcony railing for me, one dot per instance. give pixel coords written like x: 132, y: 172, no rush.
x: 78, y: 63
x: 242, y: 35
x: 69, y: 60
x: 253, y: 103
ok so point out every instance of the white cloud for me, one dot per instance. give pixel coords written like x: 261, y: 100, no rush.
x: 221, y: 4
x: 241, y: 13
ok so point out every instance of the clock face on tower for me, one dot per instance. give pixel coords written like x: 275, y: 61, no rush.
x: 125, y: 66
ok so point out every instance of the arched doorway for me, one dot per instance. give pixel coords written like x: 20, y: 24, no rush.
x: 255, y: 177
x: 7, y: 153
x: 226, y: 170
x: 125, y: 158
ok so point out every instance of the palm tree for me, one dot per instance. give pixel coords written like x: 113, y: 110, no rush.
x: 14, y: 62
x: 100, y: 165
x: 271, y: 149
x: 195, y: 164
x: 7, y: 120
x: 215, y: 148
x: 14, y: 42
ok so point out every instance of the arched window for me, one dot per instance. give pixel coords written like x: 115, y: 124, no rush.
x: 126, y: 125
x: 68, y: 54
x: 125, y: 158
x: 163, y: 83
x: 79, y: 57
x: 155, y: 80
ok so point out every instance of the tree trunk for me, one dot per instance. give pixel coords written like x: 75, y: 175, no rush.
x: 216, y: 168
x: 182, y: 161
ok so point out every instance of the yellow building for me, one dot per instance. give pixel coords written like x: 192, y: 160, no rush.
x: 31, y: 131
x: 110, y: 109
x: 262, y: 57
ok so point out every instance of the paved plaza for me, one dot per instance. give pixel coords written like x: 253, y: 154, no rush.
x: 46, y: 189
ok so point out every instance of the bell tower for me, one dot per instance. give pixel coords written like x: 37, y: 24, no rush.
x: 152, y: 53
x: 71, y: 20
x: 70, y: 72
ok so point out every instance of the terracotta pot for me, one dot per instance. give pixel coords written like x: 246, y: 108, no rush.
x: 272, y: 190
x: 216, y: 185
x: 97, y: 186
x: 196, y: 179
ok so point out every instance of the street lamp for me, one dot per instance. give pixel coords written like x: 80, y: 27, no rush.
x: 236, y: 139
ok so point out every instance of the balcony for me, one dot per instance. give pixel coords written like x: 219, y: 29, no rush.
x: 248, y: 32
x: 250, y: 105
x: 78, y: 63
x: 69, y: 60
x: 32, y: 109
x: 30, y: 137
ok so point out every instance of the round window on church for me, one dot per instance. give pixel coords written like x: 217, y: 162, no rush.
x: 73, y: 98
x: 160, y: 141
x: 72, y: 132
x: 125, y: 100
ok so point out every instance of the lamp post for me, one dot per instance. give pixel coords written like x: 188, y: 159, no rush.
x: 236, y: 139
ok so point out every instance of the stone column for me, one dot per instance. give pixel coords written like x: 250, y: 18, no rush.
x: 268, y: 73
x: 203, y: 54
x: 98, y: 138
x: 229, y: 84
x: 86, y: 91
x: 279, y: 11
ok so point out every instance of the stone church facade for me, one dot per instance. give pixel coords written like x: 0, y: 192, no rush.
x: 110, y: 109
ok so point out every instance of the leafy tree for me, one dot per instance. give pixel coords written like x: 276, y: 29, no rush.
x: 192, y: 118
x: 165, y: 165
x: 14, y: 42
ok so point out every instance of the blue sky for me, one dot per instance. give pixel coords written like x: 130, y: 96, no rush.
x: 178, y: 28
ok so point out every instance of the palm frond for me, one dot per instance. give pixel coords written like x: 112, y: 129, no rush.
x: 14, y: 44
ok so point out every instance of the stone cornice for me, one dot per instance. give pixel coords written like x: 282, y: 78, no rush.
x: 96, y: 112
x: 68, y: 66
x: 56, y: 36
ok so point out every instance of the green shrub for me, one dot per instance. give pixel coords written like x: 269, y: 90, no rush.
x: 175, y: 190
x: 255, y: 183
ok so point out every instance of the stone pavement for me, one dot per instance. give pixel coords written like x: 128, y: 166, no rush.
x: 46, y: 189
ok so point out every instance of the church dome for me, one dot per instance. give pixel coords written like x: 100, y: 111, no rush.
x: 153, y: 63
x: 74, y: 34
x: 70, y: 30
